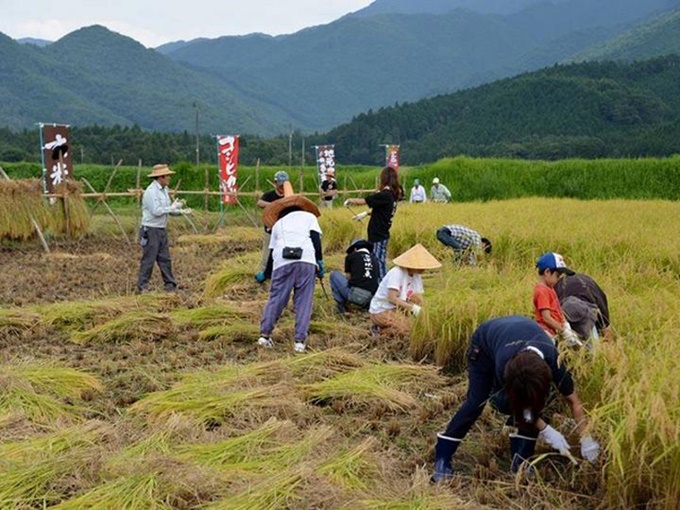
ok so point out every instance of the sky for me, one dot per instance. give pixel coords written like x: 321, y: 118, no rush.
x: 152, y: 22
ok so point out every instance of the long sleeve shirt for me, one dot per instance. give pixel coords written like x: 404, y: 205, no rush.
x: 156, y: 205
x: 418, y: 194
x: 440, y: 193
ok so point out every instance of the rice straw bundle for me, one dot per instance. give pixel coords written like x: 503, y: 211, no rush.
x: 73, y: 207
x: 19, y: 202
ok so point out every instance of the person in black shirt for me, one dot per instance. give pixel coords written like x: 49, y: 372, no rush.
x: 270, y: 196
x: 512, y: 363
x: 361, y: 279
x: 383, y: 206
x: 329, y: 188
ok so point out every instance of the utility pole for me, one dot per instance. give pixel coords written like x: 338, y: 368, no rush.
x: 290, y: 146
x: 198, y: 158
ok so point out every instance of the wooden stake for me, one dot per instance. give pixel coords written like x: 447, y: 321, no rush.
x: 102, y: 199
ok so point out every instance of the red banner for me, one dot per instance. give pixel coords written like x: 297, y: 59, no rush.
x: 56, y: 155
x: 227, y: 155
x: 392, y: 156
x: 325, y: 160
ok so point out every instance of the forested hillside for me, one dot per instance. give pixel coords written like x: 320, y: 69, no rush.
x: 580, y: 110
x: 657, y: 38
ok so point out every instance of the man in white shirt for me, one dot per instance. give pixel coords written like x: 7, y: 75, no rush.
x: 401, y: 292
x: 153, y: 237
x: 417, y: 193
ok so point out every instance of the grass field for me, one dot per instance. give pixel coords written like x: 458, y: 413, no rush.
x: 111, y: 400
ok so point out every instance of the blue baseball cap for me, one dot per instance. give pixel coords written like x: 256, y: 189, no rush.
x: 554, y: 262
x: 280, y: 177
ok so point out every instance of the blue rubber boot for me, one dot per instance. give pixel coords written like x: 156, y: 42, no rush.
x: 521, y: 448
x: 446, y: 447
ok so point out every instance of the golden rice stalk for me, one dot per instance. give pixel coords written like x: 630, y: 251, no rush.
x: 232, y: 237
x: 234, y: 332
x: 73, y: 207
x: 231, y: 277
x: 384, y: 383
x: 242, y: 451
x: 352, y: 468
x: 213, y: 314
x: 32, y: 469
x: 39, y: 391
x: 275, y: 491
x: 131, y: 326
x: 323, y: 364
x: 14, y: 320
x: 19, y: 202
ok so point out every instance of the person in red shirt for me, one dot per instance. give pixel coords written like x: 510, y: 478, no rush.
x: 547, y: 309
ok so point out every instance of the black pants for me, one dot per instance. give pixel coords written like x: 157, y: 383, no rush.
x: 156, y: 250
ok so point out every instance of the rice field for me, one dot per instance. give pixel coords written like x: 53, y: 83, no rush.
x: 112, y: 400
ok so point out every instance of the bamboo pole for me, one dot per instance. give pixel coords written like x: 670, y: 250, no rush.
x: 30, y: 217
x: 102, y: 199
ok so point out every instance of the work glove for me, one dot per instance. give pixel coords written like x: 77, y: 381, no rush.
x: 320, y: 269
x: 570, y: 337
x: 186, y: 211
x: 346, y: 203
x: 554, y: 439
x: 360, y: 216
x: 415, y: 309
x: 178, y: 204
x: 590, y: 449
x: 260, y: 277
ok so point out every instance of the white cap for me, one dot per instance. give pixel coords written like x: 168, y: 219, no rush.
x: 435, y: 180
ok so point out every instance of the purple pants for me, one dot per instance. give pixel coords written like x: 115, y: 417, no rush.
x: 299, y: 278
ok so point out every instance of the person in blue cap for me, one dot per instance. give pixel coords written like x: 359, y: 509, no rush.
x: 512, y: 363
x: 267, y: 198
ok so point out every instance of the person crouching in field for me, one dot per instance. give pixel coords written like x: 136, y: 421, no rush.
x: 466, y: 243
x: 153, y: 237
x: 512, y: 363
x: 585, y: 306
x: 383, y: 206
x: 295, y: 259
x: 547, y: 310
x: 401, y: 292
x: 360, y: 281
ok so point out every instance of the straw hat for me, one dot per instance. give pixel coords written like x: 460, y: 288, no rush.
x: 160, y: 171
x: 273, y: 210
x: 417, y: 258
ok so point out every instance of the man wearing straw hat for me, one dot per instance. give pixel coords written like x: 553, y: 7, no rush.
x: 153, y: 237
x: 401, y: 291
x: 295, y: 259
x: 329, y: 188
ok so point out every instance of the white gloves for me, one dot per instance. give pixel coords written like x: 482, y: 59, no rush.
x: 178, y: 204
x: 186, y: 211
x: 360, y: 216
x: 590, y: 449
x: 346, y: 203
x: 554, y: 439
x: 415, y: 310
x: 570, y: 337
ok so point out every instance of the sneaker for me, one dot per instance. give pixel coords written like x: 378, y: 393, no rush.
x: 265, y: 341
x: 375, y: 330
x: 299, y: 347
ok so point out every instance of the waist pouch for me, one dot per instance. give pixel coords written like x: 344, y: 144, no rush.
x: 292, y: 253
x: 359, y: 296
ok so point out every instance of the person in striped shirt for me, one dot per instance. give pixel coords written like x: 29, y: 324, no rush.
x: 467, y: 244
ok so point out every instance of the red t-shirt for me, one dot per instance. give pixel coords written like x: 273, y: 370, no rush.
x: 545, y: 298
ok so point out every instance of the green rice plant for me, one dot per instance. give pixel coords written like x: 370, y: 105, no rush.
x: 234, y: 332
x: 352, y: 468
x: 13, y: 320
x: 130, y: 326
x: 32, y: 469
x: 382, y: 383
x: 44, y: 394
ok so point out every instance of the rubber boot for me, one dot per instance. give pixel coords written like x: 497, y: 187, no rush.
x: 521, y: 448
x: 446, y: 447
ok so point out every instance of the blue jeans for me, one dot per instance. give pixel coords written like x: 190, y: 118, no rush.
x: 380, y: 253
x: 339, y: 289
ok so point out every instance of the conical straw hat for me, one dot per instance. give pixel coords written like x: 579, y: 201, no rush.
x: 417, y: 257
x: 273, y: 210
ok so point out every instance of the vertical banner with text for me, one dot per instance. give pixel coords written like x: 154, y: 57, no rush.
x: 227, y: 157
x: 325, y: 160
x: 392, y: 156
x: 56, y: 155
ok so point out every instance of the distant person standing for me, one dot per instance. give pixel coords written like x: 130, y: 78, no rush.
x: 383, y: 204
x: 329, y: 189
x: 270, y: 196
x: 466, y: 243
x: 439, y: 193
x: 418, y: 195
x: 153, y: 237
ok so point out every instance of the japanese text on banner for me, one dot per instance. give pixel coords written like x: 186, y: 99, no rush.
x: 227, y: 153
x: 56, y: 155
x: 325, y: 160
x: 392, y: 156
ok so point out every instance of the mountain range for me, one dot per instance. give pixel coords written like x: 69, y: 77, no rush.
x: 390, y: 52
